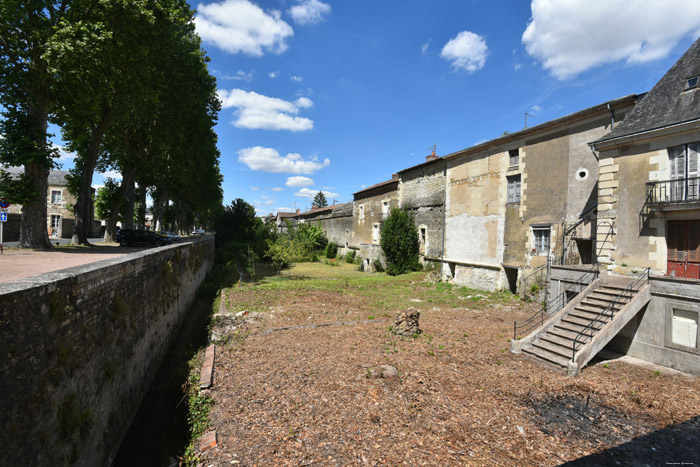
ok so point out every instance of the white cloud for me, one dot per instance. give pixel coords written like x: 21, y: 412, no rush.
x: 254, y: 188
x: 466, y: 51
x: 517, y: 66
x: 309, y: 193
x: 309, y: 11
x: 285, y: 210
x: 424, y: 48
x: 276, y: 188
x: 273, y: 74
x: 63, y: 154
x: 296, y: 78
x: 256, y: 111
x: 240, y: 75
x: 239, y: 26
x: 535, y: 108
x: 298, y: 182
x: 571, y: 36
x: 269, y: 160
x: 115, y: 174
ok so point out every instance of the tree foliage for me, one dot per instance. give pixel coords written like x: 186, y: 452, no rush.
x: 320, y: 200
x: 399, y: 241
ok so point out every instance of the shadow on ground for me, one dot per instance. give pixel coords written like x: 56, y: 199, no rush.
x: 677, y: 444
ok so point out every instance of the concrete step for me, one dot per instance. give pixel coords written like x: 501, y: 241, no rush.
x: 557, y: 349
x: 589, y: 309
x: 575, y: 320
x: 612, y: 293
x: 609, y: 296
x: 549, y: 357
x: 596, y: 302
x: 584, y: 313
x: 562, y: 333
x: 558, y: 340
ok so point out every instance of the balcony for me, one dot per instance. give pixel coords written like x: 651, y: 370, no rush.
x: 674, y: 194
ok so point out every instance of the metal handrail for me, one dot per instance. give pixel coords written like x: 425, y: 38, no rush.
x: 678, y: 191
x: 549, y: 308
x: 608, y: 312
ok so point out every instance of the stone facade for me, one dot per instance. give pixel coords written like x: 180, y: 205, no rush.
x: 514, y: 198
x: 371, y: 207
x: 81, y: 347
x: 422, y: 192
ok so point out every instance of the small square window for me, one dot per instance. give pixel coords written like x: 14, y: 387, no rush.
x: 514, y: 156
x: 56, y: 196
x: 691, y: 83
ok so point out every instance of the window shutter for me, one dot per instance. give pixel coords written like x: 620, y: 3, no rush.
x: 694, y: 242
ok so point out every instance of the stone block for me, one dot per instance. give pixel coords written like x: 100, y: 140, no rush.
x: 406, y: 323
x: 208, y: 441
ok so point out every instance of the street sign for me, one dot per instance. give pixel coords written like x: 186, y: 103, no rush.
x: 4, y: 203
x: 3, y: 217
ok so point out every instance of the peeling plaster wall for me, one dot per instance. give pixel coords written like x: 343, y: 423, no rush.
x: 371, y: 201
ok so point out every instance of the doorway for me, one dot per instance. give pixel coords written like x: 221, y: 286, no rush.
x: 684, y: 249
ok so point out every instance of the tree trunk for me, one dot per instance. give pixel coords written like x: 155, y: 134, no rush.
x: 141, y: 214
x: 128, y: 186
x: 33, y: 231
x: 84, y: 206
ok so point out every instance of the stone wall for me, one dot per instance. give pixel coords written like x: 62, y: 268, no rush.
x: 81, y: 347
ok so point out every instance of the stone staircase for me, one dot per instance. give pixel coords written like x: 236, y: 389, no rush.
x: 552, y: 343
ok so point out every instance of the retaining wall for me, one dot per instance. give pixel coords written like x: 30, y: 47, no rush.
x: 80, y: 347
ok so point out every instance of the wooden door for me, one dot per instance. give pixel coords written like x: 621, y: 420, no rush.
x: 684, y: 249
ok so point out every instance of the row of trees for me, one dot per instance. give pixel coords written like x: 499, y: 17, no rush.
x: 127, y: 83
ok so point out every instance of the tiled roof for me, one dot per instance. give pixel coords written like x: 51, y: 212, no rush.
x: 378, y: 185
x: 667, y: 103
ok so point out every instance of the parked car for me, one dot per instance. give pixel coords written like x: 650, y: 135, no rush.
x: 127, y: 237
x: 173, y: 237
x: 198, y: 232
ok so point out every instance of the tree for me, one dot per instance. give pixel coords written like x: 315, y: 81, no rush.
x: 108, y: 201
x: 284, y: 251
x: 400, y: 242
x: 27, y: 99
x: 320, y: 200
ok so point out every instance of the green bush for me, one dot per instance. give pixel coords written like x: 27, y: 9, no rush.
x: 331, y: 250
x: 378, y: 266
x: 400, y: 243
x: 350, y: 256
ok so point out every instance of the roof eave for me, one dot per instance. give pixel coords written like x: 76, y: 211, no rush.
x: 639, y: 136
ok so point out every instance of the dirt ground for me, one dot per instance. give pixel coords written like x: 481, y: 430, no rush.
x: 297, y: 381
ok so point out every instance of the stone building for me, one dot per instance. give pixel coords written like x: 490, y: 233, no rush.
x: 371, y: 207
x: 59, y: 213
x: 336, y: 222
x: 515, y: 201
x: 649, y: 215
x: 422, y: 193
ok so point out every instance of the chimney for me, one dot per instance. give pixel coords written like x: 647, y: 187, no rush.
x: 394, y: 177
x: 431, y: 157
x: 298, y: 210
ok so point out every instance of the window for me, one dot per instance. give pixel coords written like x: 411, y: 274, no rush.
x: 362, y: 213
x: 541, y: 235
x: 514, y: 155
x: 385, y: 208
x: 423, y: 239
x: 375, y: 233
x: 684, y: 328
x: 685, y: 172
x: 56, y: 196
x: 513, y: 189
x: 55, y: 225
x: 691, y: 83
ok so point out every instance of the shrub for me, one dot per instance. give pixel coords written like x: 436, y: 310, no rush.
x: 331, y: 250
x: 350, y: 256
x: 400, y: 243
x: 378, y: 266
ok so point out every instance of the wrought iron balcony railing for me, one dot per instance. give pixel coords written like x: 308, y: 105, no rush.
x: 680, y: 191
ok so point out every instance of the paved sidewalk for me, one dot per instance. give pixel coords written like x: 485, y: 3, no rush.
x: 19, y: 264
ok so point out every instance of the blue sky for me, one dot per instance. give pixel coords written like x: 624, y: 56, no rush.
x: 338, y: 95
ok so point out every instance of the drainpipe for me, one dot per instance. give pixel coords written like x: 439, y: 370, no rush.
x: 444, y: 219
x: 612, y: 117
